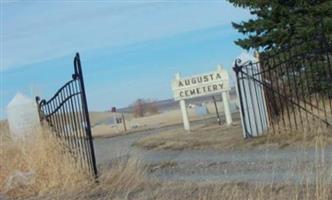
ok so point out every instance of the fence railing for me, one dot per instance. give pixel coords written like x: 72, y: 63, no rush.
x: 67, y: 115
x: 288, y: 89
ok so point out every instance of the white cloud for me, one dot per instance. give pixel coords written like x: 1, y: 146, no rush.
x: 35, y: 32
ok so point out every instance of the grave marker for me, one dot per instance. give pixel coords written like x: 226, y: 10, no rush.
x: 23, y: 117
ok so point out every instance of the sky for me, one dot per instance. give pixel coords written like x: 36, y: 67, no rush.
x: 128, y: 49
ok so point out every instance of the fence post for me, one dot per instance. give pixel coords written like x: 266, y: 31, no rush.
x: 124, y: 122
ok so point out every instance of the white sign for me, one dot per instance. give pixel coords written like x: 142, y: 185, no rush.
x: 215, y: 82
x: 201, y: 85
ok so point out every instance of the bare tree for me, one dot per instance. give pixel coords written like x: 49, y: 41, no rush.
x: 143, y: 107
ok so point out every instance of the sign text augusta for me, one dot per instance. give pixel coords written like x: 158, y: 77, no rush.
x: 207, y: 84
x: 200, y: 85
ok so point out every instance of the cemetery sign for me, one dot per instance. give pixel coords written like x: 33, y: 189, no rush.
x: 207, y: 84
x: 200, y: 85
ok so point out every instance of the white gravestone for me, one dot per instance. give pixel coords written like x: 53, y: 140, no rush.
x: 23, y: 117
x: 207, y: 84
x: 254, y: 105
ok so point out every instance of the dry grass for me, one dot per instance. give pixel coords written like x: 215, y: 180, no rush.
x: 127, y: 180
x: 230, y: 138
x: 213, y: 136
x: 281, y: 134
x: 167, y: 118
x: 41, y: 155
x: 124, y: 179
x: 58, y: 177
x: 293, y: 116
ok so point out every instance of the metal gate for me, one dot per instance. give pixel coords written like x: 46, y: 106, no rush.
x: 67, y: 115
x: 288, y: 89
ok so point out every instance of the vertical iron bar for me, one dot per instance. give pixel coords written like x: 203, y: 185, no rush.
x: 317, y: 78
x: 269, y: 69
x: 306, y: 63
x: 289, y: 96
x: 325, y: 47
x: 73, y: 120
x: 85, y: 139
x: 68, y: 122
x: 282, y: 90
x: 292, y: 65
x: 281, y: 94
x: 315, y: 84
x: 63, y: 120
x: 329, y: 66
x: 57, y: 121
x: 81, y: 132
x: 302, y: 82
x: 320, y: 54
x: 86, y: 113
x: 48, y: 118
x: 60, y: 118
x: 321, y: 93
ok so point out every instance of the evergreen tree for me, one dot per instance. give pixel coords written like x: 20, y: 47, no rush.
x: 278, y: 23
x: 278, y: 27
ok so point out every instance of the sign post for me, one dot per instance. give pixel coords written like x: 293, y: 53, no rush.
x: 184, y: 111
x: 227, y: 111
x: 217, y: 112
x: 207, y: 84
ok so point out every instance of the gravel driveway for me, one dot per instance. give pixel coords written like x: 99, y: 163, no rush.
x: 274, y: 165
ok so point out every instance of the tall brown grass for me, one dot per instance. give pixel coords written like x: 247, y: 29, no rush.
x: 58, y: 177
x: 293, y: 119
x: 41, y: 155
x: 124, y: 179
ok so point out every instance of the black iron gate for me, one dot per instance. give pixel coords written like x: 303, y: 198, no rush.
x: 288, y: 89
x: 67, y: 115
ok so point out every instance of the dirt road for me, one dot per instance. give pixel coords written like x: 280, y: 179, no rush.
x: 274, y: 165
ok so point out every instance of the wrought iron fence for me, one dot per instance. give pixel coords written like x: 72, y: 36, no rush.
x: 286, y: 89
x: 67, y: 115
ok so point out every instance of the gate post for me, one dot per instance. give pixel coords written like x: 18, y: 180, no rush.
x: 237, y: 68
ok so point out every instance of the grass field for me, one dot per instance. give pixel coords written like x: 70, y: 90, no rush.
x: 227, y: 138
x: 133, y: 124
x: 56, y: 175
x: 127, y: 179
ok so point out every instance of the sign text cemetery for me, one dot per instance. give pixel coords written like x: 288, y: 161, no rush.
x: 207, y: 84
x: 200, y: 85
